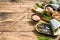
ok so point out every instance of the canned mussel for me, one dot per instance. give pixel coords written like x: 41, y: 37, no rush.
x: 44, y: 28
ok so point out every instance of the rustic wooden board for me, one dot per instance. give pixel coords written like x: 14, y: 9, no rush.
x: 20, y: 7
x: 21, y: 27
x: 18, y: 36
x: 16, y: 25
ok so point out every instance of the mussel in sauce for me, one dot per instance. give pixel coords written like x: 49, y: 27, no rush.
x: 44, y: 28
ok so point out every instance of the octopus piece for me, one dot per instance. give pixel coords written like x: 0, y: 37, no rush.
x: 56, y: 16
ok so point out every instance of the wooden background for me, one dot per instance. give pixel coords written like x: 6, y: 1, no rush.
x: 21, y: 28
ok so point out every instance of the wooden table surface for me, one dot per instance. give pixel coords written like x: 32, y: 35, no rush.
x: 21, y: 28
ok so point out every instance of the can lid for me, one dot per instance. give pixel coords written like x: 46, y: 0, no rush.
x: 54, y: 24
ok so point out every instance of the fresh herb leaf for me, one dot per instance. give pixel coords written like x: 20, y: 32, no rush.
x: 45, y: 38
x: 47, y: 17
x: 37, y: 4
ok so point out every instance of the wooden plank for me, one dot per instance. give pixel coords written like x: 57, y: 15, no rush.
x: 18, y: 36
x: 16, y: 24
x: 12, y: 7
x: 16, y: 0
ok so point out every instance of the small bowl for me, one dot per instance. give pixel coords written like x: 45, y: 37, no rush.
x: 33, y: 19
x: 44, y: 28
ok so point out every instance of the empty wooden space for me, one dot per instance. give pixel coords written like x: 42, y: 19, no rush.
x: 20, y: 28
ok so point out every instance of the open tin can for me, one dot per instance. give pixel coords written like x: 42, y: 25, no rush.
x: 44, y: 28
x: 55, y: 25
x: 53, y: 6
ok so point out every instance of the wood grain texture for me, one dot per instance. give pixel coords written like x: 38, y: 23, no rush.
x: 20, y: 28
x: 20, y: 7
